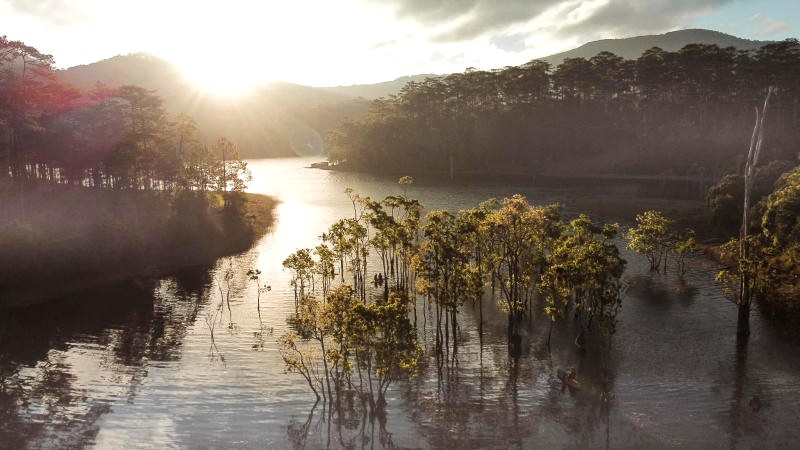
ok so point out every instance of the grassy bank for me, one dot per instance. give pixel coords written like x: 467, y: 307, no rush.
x: 60, y: 239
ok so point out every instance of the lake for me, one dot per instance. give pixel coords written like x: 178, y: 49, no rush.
x: 134, y: 365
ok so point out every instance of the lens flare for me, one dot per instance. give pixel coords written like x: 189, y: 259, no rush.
x: 305, y: 141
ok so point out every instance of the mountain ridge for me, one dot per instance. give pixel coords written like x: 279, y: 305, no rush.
x: 632, y: 47
x: 150, y: 70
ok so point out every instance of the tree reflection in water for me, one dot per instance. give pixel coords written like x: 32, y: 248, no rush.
x: 749, y: 401
x: 485, y: 397
x: 351, y: 424
x: 63, y: 366
x: 52, y: 354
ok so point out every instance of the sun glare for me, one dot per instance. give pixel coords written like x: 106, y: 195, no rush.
x: 224, y: 80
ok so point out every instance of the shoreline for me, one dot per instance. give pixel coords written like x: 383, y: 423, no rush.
x: 516, y: 173
x: 165, y: 247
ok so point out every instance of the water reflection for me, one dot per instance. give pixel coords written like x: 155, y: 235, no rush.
x: 350, y: 424
x: 65, y: 363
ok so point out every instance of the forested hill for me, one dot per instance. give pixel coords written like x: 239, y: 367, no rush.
x: 633, y: 47
x: 687, y: 112
x: 264, y: 123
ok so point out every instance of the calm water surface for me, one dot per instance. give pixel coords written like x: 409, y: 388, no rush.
x: 134, y: 366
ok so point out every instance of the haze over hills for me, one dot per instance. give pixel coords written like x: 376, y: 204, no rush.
x: 263, y: 122
x: 149, y: 71
x: 266, y: 121
x: 377, y: 90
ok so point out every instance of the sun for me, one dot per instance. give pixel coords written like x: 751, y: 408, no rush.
x: 253, y: 43
x: 222, y: 79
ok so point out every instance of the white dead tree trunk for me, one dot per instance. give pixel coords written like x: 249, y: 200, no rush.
x: 745, y: 279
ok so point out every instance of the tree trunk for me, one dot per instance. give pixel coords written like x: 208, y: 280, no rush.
x: 325, y: 366
x: 743, y: 322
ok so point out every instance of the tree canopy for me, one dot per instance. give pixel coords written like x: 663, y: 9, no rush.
x: 687, y: 112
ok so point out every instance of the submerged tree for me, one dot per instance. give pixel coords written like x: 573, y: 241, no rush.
x: 651, y: 237
x: 519, y: 237
x: 773, y: 252
x: 376, y: 339
x: 366, y: 341
x: 255, y: 275
x: 468, y: 223
x: 446, y: 273
x: 745, y: 286
x: 302, y: 358
x: 584, y: 276
x: 683, y: 245
x: 324, y: 267
x: 390, y: 349
x: 781, y: 234
x: 301, y: 264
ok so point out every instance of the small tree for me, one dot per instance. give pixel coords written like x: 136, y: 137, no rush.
x: 312, y: 323
x: 651, y: 237
x: 683, y: 245
x: 340, y: 326
x: 405, y: 182
x: 303, y: 359
x: 324, y: 267
x: 255, y: 275
x: 301, y: 264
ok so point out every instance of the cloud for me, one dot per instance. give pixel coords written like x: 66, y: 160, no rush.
x: 432, y: 11
x: 467, y: 19
x: 621, y: 18
x: 461, y: 20
x: 54, y: 12
x: 768, y: 26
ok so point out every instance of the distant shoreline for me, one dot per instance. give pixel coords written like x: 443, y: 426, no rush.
x: 680, y: 186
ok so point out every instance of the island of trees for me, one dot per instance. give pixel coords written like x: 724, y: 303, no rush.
x: 355, y: 327
x: 104, y: 186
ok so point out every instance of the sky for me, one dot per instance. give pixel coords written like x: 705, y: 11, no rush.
x: 225, y: 44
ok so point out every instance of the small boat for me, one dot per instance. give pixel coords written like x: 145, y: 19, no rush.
x: 571, y: 382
